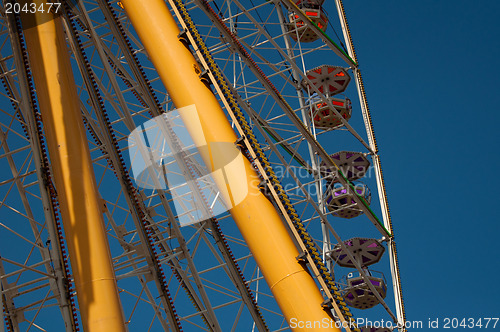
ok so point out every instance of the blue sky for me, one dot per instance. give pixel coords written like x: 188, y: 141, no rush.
x: 431, y: 74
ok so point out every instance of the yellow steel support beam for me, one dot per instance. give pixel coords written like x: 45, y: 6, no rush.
x: 97, y: 292
x: 260, y: 224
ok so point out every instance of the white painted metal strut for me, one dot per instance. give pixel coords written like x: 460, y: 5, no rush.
x: 113, y: 155
x: 142, y: 278
x: 58, y: 286
x: 295, y: 120
x: 395, y: 273
x: 324, y: 222
x: 294, y: 66
x: 307, y: 21
x: 143, y: 89
x: 326, y: 247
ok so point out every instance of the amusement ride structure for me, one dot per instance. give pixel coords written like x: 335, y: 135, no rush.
x: 173, y: 165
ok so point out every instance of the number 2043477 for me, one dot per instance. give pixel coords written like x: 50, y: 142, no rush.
x: 470, y: 323
x: 31, y: 8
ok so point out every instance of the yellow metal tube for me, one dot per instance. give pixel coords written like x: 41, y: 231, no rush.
x: 97, y: 292
x: 260, y: 224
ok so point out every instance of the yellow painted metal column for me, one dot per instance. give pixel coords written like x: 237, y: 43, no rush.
x: 97, y: 292
x: 260, y: 224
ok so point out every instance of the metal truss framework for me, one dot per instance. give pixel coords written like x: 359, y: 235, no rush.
x: 172, y: 277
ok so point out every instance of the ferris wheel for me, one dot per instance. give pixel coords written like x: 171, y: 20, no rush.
x: 174, y: 165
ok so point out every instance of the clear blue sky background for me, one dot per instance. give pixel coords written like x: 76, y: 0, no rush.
x: 431, y: 73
